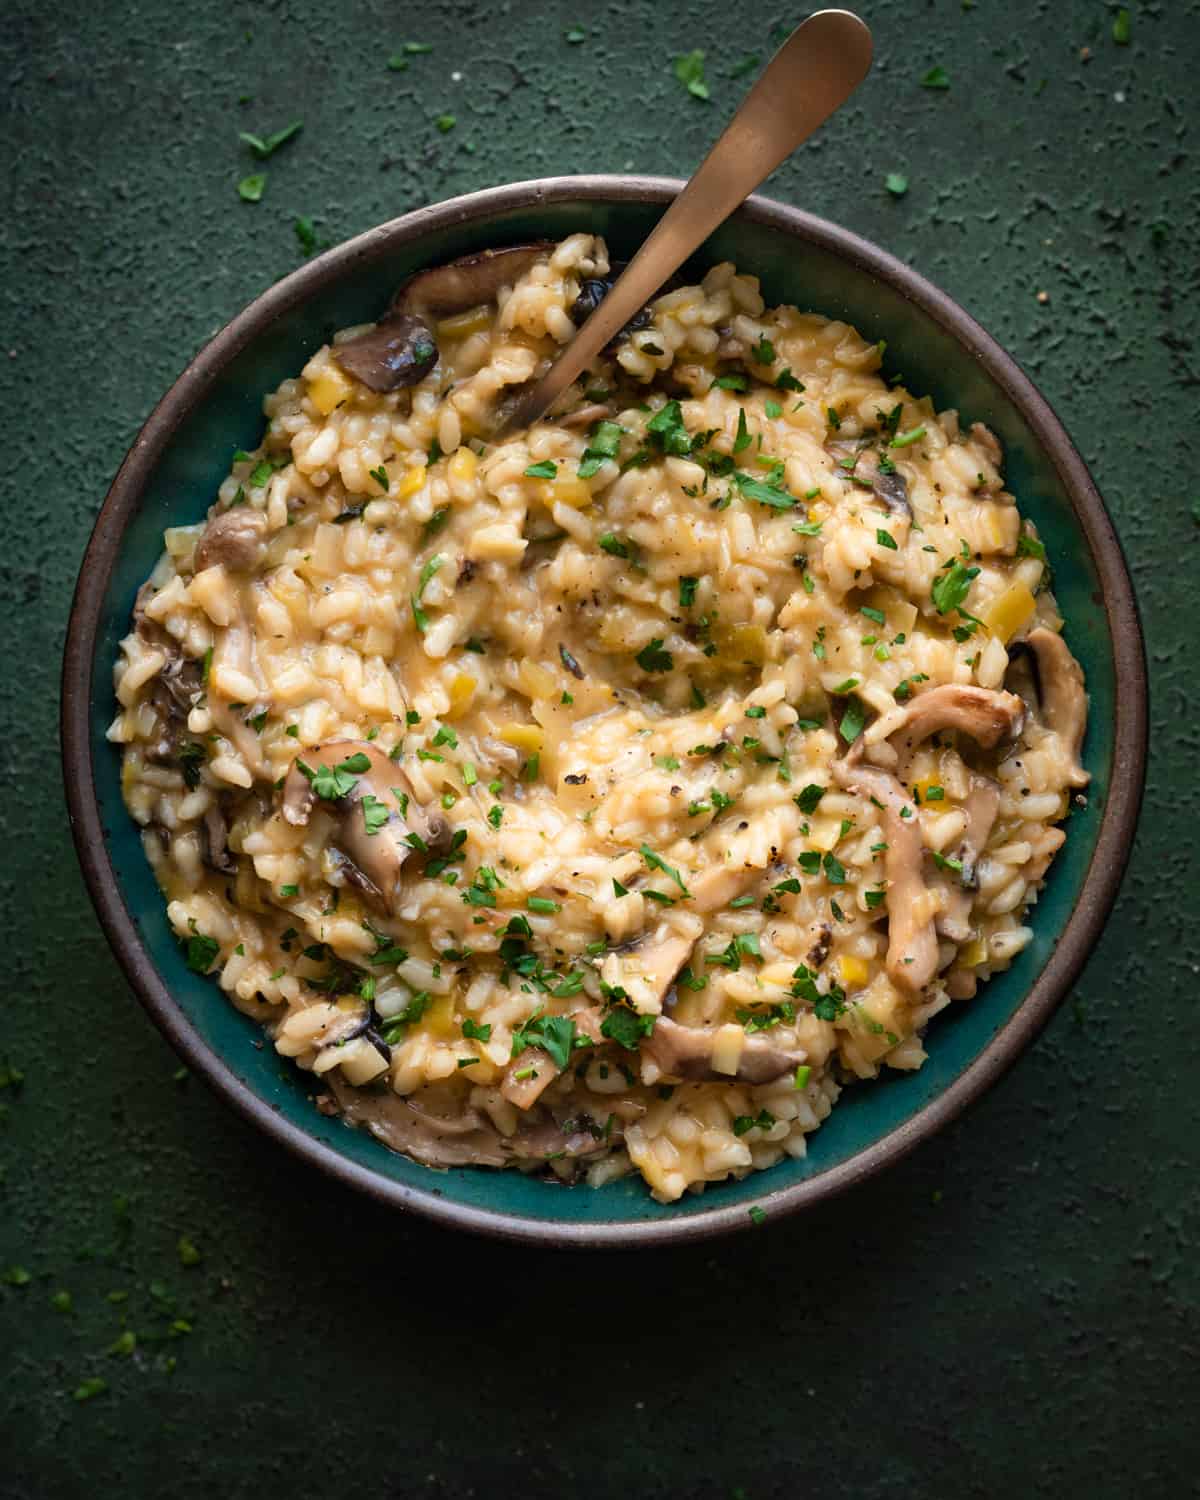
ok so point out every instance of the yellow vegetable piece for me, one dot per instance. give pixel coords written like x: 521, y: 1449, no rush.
x: 411, y: 483
x: 438, y: 1020
x: 1009, y: 612
x: 537, y: 681
x: 462, y: 466
x: 855, y: 971
x: 463, y: 324
x: 530, y: 737
x: 974, y: 953
x: 462, y: 690
x: 921, y: 792
x: 567, y: 489
x: 329, y: 389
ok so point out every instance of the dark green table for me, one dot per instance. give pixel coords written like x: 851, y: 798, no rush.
x: 1010, y: 1312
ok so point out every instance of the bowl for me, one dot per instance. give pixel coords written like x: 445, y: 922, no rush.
x: 170, y: 476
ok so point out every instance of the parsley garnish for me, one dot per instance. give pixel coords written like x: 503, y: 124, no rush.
x: 544, y: 470
x: 951, y: 588
x: 652, y: 657
x: 936, y: 78
x: 626, y: 1027
x: 603, y: 444
x: 264, y: 147
x: 689, y: 69
x: 656, y: 862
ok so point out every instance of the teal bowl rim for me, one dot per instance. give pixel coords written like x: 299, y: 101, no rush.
x: 1100, y: 884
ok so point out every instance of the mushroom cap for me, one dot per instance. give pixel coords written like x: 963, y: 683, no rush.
x: 402, y: 348
x: 236, y: 539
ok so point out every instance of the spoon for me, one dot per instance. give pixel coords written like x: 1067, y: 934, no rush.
x: 813, y: 73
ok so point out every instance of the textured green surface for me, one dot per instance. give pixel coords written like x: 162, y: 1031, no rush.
x: 1013, y: 1309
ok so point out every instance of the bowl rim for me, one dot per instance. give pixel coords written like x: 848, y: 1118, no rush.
x: 1101, y: 881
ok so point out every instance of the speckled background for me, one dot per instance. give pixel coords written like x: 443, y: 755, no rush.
x: 1011, y: 1311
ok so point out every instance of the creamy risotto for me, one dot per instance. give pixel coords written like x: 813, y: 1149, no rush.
x: 607, y: 796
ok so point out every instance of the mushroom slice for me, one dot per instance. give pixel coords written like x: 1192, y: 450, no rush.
x: 431, y: 1125
x: 441, y: 291
x: 236, y: 539
x: 981, y: 806
x: 376, y: 853
x: 986, y: 715
x: 912, y: 956
x: 402, y: 349
x: 688, y: 1052
x: 1060, y: 698
x: 215, y: 840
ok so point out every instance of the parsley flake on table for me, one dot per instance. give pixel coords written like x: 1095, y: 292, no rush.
x: 936, y: 78
x: 689, y: 69
x: 306, y: 234
x: 896, y: 184
x: 264, y: 146
x: 251, y: 189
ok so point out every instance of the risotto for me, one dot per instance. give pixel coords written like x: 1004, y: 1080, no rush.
x: 607, y: 796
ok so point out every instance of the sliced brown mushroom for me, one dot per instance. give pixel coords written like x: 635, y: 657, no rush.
x: 687, y: 1052
x: 377, y: 858
x: 402, y: 348
x: 433, y: 1126
x: 892, y: 489
x: 981, y: 806
x: 584, y: 416
x: 888, y: 485
x: 215, y: 837
x: 237, y: 539
x: 177, y: 687
x: 988, y: 717
x: 912, y: 955
x: 1059, y: 698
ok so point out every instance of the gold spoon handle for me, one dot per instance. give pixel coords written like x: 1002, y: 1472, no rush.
x: 813, y: 73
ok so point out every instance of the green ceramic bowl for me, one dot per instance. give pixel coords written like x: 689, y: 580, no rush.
x: 170, y: 476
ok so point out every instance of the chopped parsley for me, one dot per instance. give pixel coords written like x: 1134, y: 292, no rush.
x: 375, y: 813
x: 689, y: 69
x: 687, y: 592
x: 764, y: 493
x: 547, y: 469
x: 554, y: 1034
x: 809, y: 797
x: 626, y: 1027
x: 853, y: 720
x: 950, y: 589
x: 936, y: 78
x: 896, y: 184
x: 201, y: 952
x: 264, y: 147
x: 656, y: 862
x: 652, y: 657
x: 251, y: 189
x: 602, y: 445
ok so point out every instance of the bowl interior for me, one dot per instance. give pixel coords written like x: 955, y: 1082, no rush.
x: 810, y: 274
